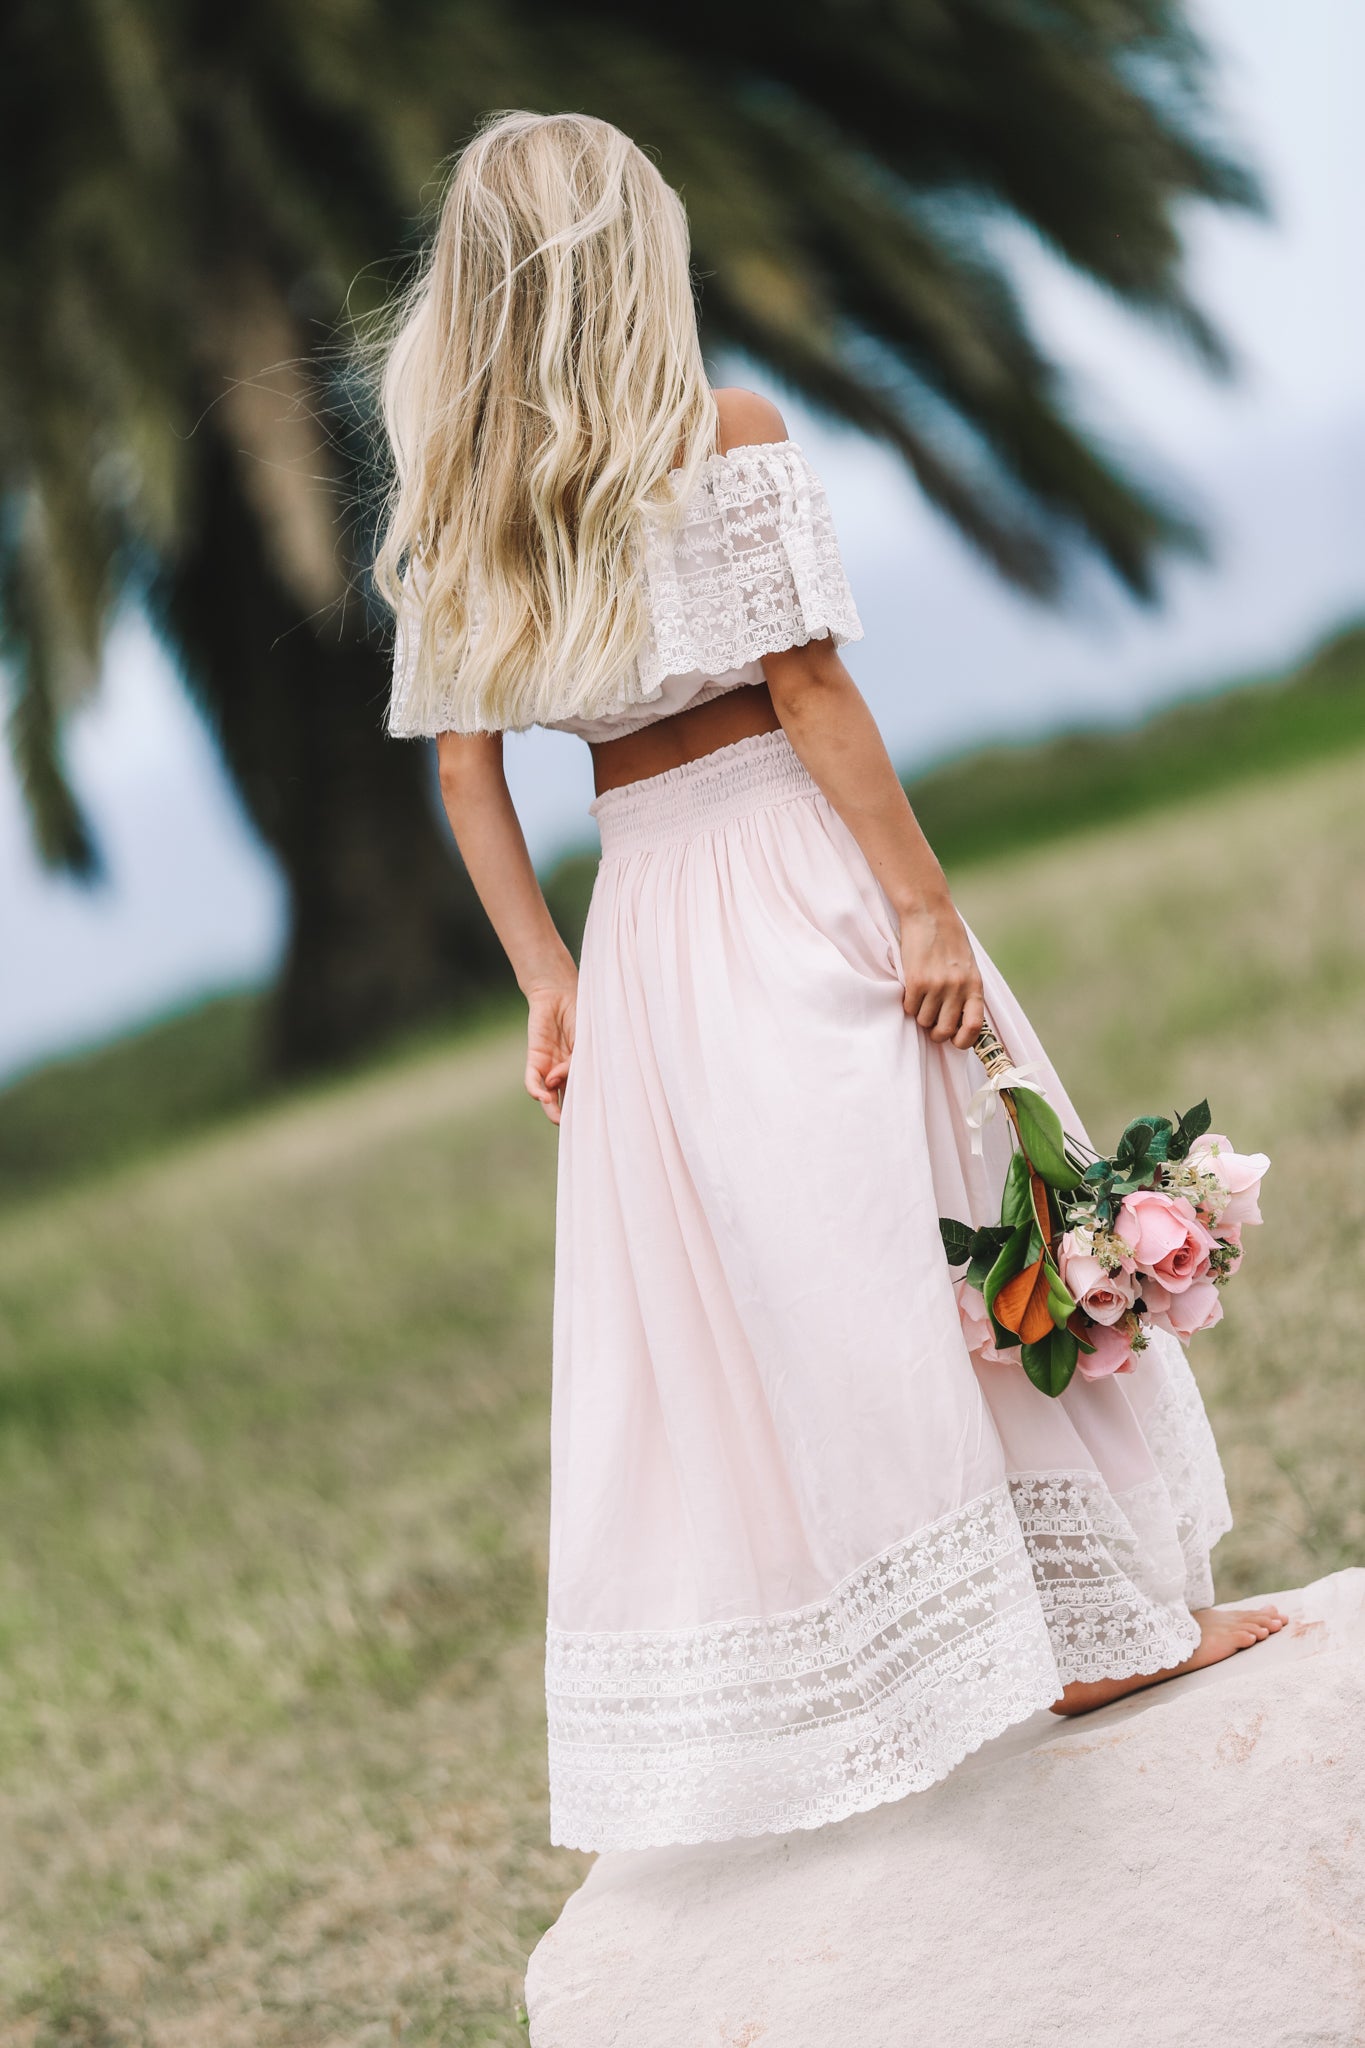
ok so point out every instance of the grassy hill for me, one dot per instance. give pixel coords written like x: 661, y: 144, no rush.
x: 989, y: 804
x: 85, y: 1114
x: 273, y: 1415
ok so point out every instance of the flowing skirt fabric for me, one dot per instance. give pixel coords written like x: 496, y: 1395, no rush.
x: 807, y: 1550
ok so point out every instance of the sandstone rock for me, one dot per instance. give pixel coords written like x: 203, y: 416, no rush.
x: 1185, y: 1867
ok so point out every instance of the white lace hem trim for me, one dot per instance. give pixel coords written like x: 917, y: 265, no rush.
x: 759, y: 1726
x: 766, y: 1724
x: 1183, y: 1449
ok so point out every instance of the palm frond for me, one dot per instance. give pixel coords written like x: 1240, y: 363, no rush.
x: 45, y: 673
x: 187, y: 194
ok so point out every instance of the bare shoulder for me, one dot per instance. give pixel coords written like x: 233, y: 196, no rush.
x: 746, y: 419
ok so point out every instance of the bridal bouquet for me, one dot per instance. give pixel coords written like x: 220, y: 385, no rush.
x: 1091, y: 1252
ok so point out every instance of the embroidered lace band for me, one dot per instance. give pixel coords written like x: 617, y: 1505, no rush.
x: 758, y: 1726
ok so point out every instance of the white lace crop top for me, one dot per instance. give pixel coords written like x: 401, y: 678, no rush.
x: 751, y: 568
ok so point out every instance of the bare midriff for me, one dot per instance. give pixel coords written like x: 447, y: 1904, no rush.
x: 686, y: 736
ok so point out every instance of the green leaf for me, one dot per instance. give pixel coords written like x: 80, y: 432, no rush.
x: 957, y: 1240
x: 1058, y: 1299
x: 991, y: 1237
x: 1162, y: 1130
x: 1016, y: 1204
x: 1192, y: 1125
x: 1012, y: 1259
x: 986, y: 1246
x: 1040, y: 1134
x: 1051, y: 1362
x: 1134, y: 1149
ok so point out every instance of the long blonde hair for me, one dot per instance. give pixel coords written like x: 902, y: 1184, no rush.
x: 544, y: 379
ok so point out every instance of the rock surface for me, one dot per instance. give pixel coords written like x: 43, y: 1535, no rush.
x: 1184, y: 1867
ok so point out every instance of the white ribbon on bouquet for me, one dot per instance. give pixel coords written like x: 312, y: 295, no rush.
x: 982, y: 1106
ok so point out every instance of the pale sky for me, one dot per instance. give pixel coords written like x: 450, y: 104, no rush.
x: 1276, y: 465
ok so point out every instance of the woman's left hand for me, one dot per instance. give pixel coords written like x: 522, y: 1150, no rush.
x: 943, y: 991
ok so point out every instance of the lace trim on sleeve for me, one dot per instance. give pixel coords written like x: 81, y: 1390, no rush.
x: 752, y: 569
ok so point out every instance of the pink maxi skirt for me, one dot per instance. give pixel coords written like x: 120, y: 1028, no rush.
x: 807, y: 1550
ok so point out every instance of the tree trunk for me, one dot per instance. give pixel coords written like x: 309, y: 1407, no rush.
x: 385, y: 928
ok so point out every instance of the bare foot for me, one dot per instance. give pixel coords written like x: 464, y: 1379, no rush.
x: 1222, y: 1632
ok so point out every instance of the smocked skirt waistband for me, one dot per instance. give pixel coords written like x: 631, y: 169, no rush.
x: 680, y: 803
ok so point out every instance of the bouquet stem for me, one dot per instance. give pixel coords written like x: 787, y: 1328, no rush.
x: 996, y: 1060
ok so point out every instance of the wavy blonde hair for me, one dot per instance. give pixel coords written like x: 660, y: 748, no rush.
x: 543, y: 382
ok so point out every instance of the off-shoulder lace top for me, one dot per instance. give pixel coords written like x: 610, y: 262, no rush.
x: 751, y: 568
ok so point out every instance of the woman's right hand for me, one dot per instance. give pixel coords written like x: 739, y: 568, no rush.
x: 549, y: 1043
x: 943, y: 991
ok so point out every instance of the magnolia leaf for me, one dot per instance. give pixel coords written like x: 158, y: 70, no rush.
x: 1014, y: 1202
x: 957, y: 1240
x: 1061, y: 1304
x: 1040, y: 1134
x: 1008, y: 1262
x: 1051, y: 1362
x: 1022, y: 1303
x: 1044, y: 1204
x: 1078, y: 1325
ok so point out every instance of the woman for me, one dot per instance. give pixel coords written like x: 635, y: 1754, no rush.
x: 809, y: 1543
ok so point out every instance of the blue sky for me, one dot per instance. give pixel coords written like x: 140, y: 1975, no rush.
x: 1274, y: 463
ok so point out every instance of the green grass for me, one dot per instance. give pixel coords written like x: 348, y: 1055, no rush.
x: 273, y: 1426
x: 193, y: 1071
x: 1007, y: 798
x: 272, y: 1474
x: 94, y: 1110
x: 79, y: 1117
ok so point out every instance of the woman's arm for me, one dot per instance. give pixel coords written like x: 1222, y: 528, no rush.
x: 493, y: 848
x: 825, y: 718
x: 831, y: 728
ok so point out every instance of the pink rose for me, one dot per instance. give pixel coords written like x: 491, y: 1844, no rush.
x: 1240, y: 1172
x: 976, y: 1326
x: 1167, y: 1237
x: 1103, y: 1296
x: 1113, y: 1352
x: 1197, y: 1306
